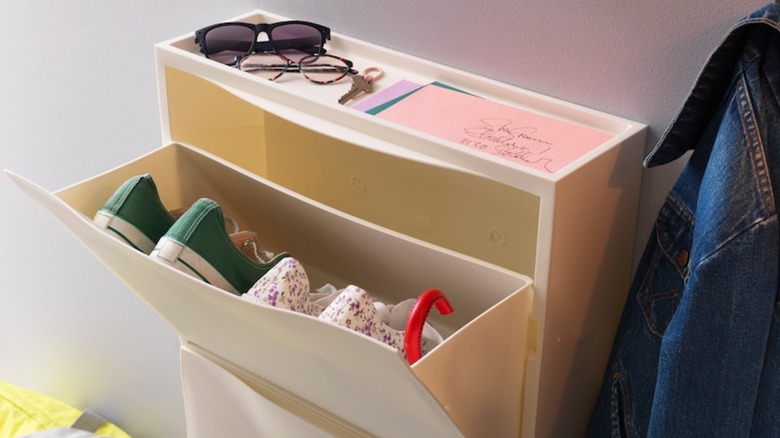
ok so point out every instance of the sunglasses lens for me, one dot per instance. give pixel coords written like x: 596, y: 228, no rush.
x: 295, y: 41
x: 268, y: 66
x: 225, y: 43
x: 323, y: 69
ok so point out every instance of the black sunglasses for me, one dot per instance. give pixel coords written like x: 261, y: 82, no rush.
x: 228, y: 42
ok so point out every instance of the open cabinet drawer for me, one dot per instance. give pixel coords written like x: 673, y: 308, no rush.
x: 470, y: 384
x: 571, y: 230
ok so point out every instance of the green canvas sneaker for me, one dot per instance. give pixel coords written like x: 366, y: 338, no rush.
x: 199, y: 245
x: 135, y: 214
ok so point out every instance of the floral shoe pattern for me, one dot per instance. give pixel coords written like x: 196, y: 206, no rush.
x: 397, y: 317
x: 286, y: 286
x: 354, y: 309
x: 401, y: 326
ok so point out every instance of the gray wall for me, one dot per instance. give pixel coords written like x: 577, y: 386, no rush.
x: 78, y: 96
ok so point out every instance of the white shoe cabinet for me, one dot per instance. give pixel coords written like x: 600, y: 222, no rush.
x: 537, y: 264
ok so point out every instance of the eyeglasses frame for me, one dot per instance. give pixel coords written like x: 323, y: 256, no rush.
x: 288, y: 63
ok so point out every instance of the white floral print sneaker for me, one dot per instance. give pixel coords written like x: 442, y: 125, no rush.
x: 286, y: 286
x: 355, y: 310
x: 397, y: 317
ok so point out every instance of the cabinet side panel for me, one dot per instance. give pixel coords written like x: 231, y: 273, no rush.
x: 590, y: 269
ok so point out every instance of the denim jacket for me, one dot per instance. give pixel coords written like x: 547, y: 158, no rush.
x: 697, y: 351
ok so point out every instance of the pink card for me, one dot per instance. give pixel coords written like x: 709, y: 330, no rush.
x: 531, y: 139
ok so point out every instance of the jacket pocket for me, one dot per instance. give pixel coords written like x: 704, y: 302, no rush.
x: 664, y: 278
x: 620, y: 421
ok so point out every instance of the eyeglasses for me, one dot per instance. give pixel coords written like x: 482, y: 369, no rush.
x: 228, y: 42
x: 320, y: 69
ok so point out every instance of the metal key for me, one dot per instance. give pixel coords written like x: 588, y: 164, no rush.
x: 360, y: 84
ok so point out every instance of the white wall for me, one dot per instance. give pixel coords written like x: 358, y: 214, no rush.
x: 78, y: 96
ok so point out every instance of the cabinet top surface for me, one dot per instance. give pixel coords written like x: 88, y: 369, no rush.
x: 482, y: 126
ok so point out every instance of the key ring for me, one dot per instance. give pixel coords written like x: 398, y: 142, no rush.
x: 373, y: 74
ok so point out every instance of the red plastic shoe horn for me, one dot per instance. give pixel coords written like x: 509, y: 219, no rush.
x: 420, y: 311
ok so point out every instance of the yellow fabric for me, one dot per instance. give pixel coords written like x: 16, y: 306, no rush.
x: 23, y: 411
